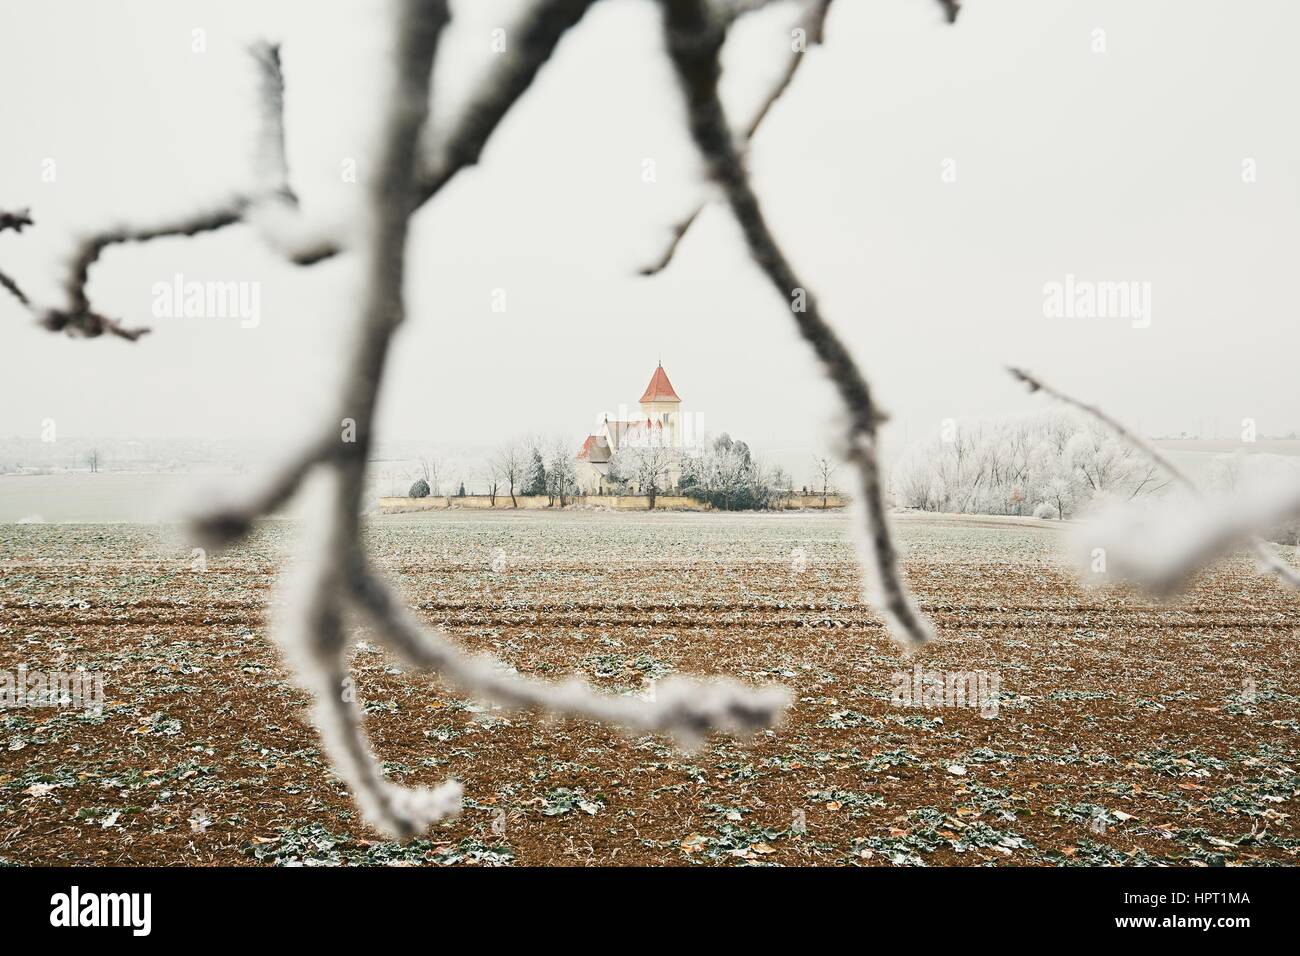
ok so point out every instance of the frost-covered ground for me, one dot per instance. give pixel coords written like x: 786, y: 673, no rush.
x: 1125, y: 732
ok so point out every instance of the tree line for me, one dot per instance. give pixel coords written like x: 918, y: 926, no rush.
x: 1049, y: 465
x: 723, y: 472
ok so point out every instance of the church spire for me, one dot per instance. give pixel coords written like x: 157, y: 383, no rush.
x: 659, y: 389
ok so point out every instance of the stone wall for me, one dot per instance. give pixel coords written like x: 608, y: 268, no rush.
x: 391, y: 505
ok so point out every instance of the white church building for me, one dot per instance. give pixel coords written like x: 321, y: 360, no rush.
x: 659, y: 424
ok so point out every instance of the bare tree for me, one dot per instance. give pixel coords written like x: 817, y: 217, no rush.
x: 561, y: 473
x: 781, y: 485
x: 646, y: 466
x: 823, y: 474
x: 439, y: 477
x: 492, y: 477
x: 92, y: 459
x: 511, y: 463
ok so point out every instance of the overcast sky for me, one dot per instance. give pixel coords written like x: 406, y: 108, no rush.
x: 1125, y: 165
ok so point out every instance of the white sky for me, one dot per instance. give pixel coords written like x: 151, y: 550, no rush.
x: 1124, y: 165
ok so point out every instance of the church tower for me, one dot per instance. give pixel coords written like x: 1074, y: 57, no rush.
x: 662, y: 407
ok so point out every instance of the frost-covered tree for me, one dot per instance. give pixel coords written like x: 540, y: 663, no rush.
x: 646, y: 468
x: 561, y: 481
x: 535, y: 479
x: 1055, y: 458
x: 727, y: 475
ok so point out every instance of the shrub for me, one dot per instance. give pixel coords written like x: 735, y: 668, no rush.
x: 419, y: 490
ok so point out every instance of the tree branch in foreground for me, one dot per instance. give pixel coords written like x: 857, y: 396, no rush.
x: 532, y: 42
x: 272, y: 206
x: 684, y: 708
x: 694, y: 40
x: 78, y: 316
x: 813, y: 22
x: 332, y: 577
x: 15, y: 220
x: 1167, y: 575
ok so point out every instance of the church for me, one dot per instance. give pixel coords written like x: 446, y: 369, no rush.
x: 658, y: 425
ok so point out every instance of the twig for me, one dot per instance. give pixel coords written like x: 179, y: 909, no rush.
x: 694, y: 39
x: 272, y: 160
x: 15, y: 220
x: 813, y: 23
x: 1036, y: 384
x: 78, y: 316
x: 532, y: 41
x: 13, y: 289
x: 685, y: 708
x: 273, y: 186
x: 222, y: 524
x: 1268, y: 561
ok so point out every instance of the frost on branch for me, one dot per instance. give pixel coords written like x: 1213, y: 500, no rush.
x: 1189, y: 534
x: 686, y: 709
x: 311, y: 632
x: 694, y: 37
x: 1162, y: 546
x: 334, y: 578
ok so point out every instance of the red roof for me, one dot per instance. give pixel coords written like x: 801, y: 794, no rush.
x: 660, y: 389
x: 594, y: 449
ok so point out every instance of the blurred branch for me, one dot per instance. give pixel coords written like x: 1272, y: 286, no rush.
x: 15, y: 220
x: 78, y: 316
x: 272, y: 165
x: 313, y: 633
x: 1269, y: 562
x: 694, y: 40
x: 12, y: 287
x: 813, y: 22
x: 685, y: 708
x: 1036, y: 384
x: 532, y: 42
x: 333, y: 577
